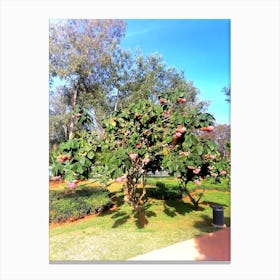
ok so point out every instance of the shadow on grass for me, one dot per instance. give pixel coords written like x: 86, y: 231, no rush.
x: 172, y: 208
x: 163, y: 192
x: 212, y: 203
x: 146, y: 214
x: 176, y: 207
x: 117, y: 201
x: 121, y: 217
x: 205, y: 223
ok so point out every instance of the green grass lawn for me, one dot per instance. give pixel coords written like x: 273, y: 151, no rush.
x: 173, y: 182
x: 116, y: 235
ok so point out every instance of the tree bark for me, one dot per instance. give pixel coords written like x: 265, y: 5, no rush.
x: 141, y: 215
x: 194, y: 202
x: 72, y: 120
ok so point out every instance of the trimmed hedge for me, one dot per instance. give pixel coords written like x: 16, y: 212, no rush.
x: 164, y: 191
x: 78, y: 204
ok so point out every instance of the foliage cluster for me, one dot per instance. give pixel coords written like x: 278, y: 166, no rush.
x: 76, y: 157
x: 147, y: 136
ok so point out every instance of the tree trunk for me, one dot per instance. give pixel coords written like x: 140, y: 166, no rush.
x: 141, y: 215
x: 65, y: 131
x: 194, y: 202
x: 72, y: 121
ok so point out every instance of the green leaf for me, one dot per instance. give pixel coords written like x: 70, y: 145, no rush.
x: 73, y: 144
x: 194, y: 140
x: 143, y: 150
x: 117, y: 173
x: 144, y: 119
x: 63, y: 146
x: 159, y: 110
x: 80, y: 169
x: 211, y: 146
x: 186, y: 145
x: 90, y: 155
x: 199, y: 150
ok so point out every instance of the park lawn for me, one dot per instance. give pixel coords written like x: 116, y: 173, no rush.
x: 116, y: 234
x: 209, y: 184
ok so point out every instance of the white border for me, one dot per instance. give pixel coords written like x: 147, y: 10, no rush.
x: 255, y: 137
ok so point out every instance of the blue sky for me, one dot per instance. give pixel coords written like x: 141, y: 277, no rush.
x: 199, y: 47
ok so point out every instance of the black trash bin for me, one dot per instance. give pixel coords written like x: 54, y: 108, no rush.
x: 218, y: 216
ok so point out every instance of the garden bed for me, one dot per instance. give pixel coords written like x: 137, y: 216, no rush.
x: 66, y: 205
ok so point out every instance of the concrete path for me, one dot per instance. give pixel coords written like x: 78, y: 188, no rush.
x: 209, y: 247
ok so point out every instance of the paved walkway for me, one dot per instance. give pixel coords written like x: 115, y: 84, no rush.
x: 209, y: 247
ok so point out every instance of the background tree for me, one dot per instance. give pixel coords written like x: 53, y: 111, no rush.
x: 101, y: 77
x: 59, y: 115
x: 140, y: 77
x: 221, y: 136
x: 80, y: 54
x: 226, y: 91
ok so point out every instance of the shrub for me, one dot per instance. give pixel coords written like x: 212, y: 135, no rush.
x: 166, y: 191
x: 71, y: 206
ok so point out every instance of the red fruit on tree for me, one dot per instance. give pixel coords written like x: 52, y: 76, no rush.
x: 162, y: 101
x: 133, y: 156
x: 72, y: 185
x: 147, y: 132
x: 182, y: 100
x: 196, y: 171
x: 56, y: 178
x: 146, y: 160
x: 207, y: 156
x: 61, y: 158
x: 209, y: 128
x: 121, y: 179
x: 178, y: 134
x: 184, y: 154
x: 197, y: 182
x: 181, y: 130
